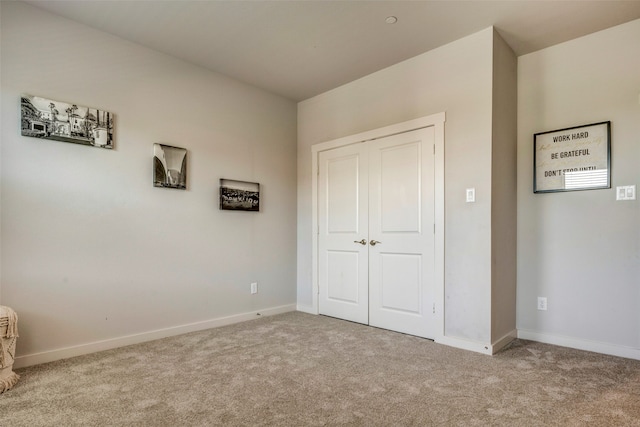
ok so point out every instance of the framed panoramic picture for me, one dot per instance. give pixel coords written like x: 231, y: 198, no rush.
x: 576, y: 158
x: 169, y: 166
x: 239, y: 195
x: 59, y: 121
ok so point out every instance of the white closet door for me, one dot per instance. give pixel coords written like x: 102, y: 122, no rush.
x: 401, y: 220
x: 376, y: 233
x: 342, y: 233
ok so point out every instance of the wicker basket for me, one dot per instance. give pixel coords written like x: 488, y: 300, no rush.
x: 8, y: 338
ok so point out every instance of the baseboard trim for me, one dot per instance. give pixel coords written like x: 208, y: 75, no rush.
x: 79, y: 350
x: 465, y: 344
x: 504, y: 341
x: 581, y: 344
x: 306, y: 309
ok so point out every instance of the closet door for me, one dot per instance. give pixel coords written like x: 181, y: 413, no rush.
x: 375, y: 233
x: 343, y: 233
x: 401, y: 233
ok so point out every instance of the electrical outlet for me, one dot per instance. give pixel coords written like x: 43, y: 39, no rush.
x: 254, y: 288
x: 542, y: 303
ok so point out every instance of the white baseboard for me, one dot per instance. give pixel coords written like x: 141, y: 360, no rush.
x: 477, y: 346
x: 78, y: 350
x: 464, y: 344
x: 306, y: 309
x: 505, y: 340
x: 581, y: 344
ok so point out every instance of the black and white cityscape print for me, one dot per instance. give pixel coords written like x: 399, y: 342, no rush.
x: 239, y: 195
x: 48, y: 119
x: 169, y: 166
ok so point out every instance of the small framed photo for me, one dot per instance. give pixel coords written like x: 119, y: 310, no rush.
x: 169, y: 166
x: 571, y: 159
x: 239, y: 195
x: 59, y: 121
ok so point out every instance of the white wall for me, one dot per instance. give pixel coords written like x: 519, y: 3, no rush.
x: 456, y: 79
x: 91, y: 251
x: 503, y: 192
x: 581, y: 249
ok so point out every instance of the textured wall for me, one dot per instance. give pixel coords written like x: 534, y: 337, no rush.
x: 581, y: 249
x: 91, y: 250
x: 503, y: 190
x: 456, y: 79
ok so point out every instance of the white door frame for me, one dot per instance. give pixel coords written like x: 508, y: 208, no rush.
x: 435, y: 120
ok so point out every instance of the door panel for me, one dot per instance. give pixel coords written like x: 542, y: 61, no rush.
x: 342, y: 273
x: 342, y: 222
x: 402, y: 295
x: 400, y: 188
x: 401, y: 218
x: 342, y: 194
x: 380, y: 193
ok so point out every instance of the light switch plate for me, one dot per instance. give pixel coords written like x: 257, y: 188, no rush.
x: 471, y: 195
x: 626, y: 192
x: 631, y: 192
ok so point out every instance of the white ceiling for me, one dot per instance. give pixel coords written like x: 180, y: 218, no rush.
x: 299, y: 49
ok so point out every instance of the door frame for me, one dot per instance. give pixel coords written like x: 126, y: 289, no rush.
x: 435, y: 120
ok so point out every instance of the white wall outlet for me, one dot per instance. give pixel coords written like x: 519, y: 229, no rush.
x: 626, y: 192
x: 254, y: 288
x: 542, y: 303
x: 471, y: 195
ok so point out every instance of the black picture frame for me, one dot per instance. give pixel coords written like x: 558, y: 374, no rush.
x: 572, y: 159
x: 66, y: 122
x: 239, y: 195
x: 169, y: 166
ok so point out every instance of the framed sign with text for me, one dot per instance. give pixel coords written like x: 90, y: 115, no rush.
x: 577, y: 158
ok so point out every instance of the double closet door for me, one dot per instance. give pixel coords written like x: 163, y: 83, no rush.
x: 376, y: 232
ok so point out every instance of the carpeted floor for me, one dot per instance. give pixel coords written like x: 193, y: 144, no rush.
x: 297, y: 369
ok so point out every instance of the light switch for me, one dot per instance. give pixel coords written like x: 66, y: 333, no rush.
x: 471, y: 195
x: 626, y: 192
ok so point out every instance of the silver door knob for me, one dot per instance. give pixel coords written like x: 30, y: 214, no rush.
x: 374, y: 242
x: 362, y: 242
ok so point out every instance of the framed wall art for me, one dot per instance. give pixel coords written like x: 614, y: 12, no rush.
x: 169, y: 166
x: 59, y: 121
x: 239, y: 195
x: 576, y: 158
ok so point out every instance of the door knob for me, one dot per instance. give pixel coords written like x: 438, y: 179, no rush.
x: 374, y: 242
x: 362, y: 242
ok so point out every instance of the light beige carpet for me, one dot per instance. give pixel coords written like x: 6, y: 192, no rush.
x: 302, y: 370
